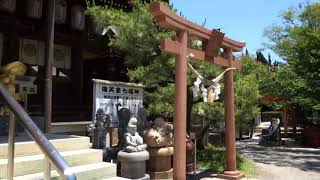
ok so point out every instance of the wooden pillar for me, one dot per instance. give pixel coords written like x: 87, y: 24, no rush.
x: 229, y: 118
x: 294, y: 123
x: 48, y: 65
x: 230, y: 122
x: 77, y: 73
x: 180, y: 109
x: 285, y: 121
x: 12, y: 53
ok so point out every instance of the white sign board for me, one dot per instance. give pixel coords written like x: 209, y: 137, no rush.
x: 25, y: 84
x: 107, y: 95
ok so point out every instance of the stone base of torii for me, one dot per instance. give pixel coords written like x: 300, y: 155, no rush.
x: 212, y: 42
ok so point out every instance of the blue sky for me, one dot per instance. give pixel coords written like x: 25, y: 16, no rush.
x: 238, y: 19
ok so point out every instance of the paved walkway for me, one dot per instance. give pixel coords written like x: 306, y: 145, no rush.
x: 288, y: 162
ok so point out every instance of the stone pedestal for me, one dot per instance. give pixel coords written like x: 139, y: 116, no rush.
x: 159, y: 164
x: 189, y: 157
x: 133, y: 165
x: 232, y: 175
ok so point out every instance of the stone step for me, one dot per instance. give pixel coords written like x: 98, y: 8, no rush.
x: 35, y: 163
x: 95, y: 171
x: 24, y: 146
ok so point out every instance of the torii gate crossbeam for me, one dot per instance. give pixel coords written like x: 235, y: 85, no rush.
x: 212, y: 42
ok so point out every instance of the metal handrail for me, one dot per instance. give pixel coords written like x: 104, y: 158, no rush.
x: 50, y: 152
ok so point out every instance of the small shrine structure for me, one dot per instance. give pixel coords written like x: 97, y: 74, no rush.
x: 216, y: 49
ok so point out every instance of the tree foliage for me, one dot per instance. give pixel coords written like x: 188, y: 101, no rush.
x: 247, y: 91
x: 297, y: 41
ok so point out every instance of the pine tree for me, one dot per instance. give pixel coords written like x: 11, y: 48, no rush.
x: 269, y: 60
x: 260, y: 57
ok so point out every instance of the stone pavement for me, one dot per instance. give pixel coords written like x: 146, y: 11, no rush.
x: 289, y: 162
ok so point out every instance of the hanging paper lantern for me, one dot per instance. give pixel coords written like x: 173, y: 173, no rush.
x: 34, y: 9
x: 8, y: 5
x: 61, y: 11
x: 77, y: 17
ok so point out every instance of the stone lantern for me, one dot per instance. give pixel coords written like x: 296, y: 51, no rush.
x: 8, y: 5
x: 61, y: 12
x: 34, y: 8
x: 98, y: 129
x: 77, y: 20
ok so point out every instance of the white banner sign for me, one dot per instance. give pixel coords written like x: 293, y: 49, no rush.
x: 107, y: 95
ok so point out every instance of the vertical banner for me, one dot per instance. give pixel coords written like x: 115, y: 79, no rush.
x: 108, y: 95
x: 62, y: 56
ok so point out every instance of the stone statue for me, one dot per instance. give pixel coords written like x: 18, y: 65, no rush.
x: 159, y: 134
x: 133, y: 141
x: 272, y: 135
x: 99, y: 129
x: 124, y: 117
x: 272, y: 132
x: 8, y: 75
x: 143, y: 124
x: 134, y: 155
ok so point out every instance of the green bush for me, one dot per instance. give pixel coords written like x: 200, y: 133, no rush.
x: 214, y: 158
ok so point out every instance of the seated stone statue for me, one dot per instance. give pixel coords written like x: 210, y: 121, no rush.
x: 160, y: 134
x: 133, y: 141
x: 272, y: 134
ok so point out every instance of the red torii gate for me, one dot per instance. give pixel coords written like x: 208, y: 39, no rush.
x: 212, y: 41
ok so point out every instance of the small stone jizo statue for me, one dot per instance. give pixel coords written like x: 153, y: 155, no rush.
x: 133, y: 141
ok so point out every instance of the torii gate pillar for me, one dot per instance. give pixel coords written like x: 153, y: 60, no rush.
x: 229, y: 119
x: 180, y: 108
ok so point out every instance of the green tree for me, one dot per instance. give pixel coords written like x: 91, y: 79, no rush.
x: 297, y: 41
x: 247, y: 92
